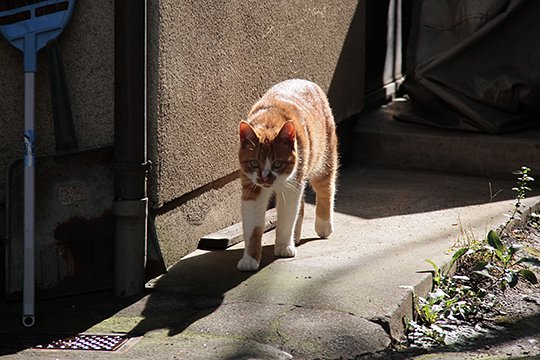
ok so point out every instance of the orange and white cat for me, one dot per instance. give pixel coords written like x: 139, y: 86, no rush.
x: 287, y: 140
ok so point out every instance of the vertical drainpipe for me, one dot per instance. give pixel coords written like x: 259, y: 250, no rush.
x: 130, y: 205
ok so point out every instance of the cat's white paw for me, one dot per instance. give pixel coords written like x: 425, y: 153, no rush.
x: 285, y: 250
x: 247, y: 263
x: 323, y: 228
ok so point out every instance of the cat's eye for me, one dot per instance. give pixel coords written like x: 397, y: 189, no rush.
x: 277, y: 164
x: 254, y: 164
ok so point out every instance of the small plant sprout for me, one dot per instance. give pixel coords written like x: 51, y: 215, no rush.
x: 522, y: 186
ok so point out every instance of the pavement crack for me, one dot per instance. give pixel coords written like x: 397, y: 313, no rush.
x: 276, y: 325
x: 383, y: 322
x: 280, y: 336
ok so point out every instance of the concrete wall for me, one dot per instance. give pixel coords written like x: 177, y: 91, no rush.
x: 87, y: 47
x: 208, y: 63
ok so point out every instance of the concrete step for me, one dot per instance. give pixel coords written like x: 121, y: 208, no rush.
x: 382, y: 140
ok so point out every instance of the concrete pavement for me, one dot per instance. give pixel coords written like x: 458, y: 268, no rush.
x: 344, y: 297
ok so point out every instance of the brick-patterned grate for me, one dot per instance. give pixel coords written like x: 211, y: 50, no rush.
x: 85, y: 342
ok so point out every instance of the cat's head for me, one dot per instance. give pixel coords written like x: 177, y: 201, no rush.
x: 268, y: 155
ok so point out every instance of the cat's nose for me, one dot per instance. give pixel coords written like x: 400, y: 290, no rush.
x: 265, y: 175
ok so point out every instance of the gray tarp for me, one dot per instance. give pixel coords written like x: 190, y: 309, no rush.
x: 475, y: 64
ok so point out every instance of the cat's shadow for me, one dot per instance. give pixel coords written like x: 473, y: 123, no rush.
x: 309, y: 239
x: 195, y: 287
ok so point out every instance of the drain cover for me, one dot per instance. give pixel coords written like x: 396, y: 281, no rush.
x: 85, y: 342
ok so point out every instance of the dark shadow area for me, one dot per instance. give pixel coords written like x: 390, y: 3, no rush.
x: 74, y: 225
x: 346, y: 91
x: 56, y: 319
x: 193, y: 289
x: 376, y: 43
x: 373, y: 192
x: 379, y: 139
x: 377, y: 178
x: 387, y: 29
x: 521, y: 328
x: 465, y: 65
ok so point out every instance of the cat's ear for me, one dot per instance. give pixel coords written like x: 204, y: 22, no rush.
x: 247, y: 132
x: 287, y: 132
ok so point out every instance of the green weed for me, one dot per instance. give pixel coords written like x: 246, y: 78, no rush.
x: 481, y: 266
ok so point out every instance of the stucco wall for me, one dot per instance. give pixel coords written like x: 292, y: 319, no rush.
x: 208, y: 63
x: 87, y: 47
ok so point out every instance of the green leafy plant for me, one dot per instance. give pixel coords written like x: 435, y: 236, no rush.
x: 498, y: 262
x: 480, y: 266
x: 452, y: 301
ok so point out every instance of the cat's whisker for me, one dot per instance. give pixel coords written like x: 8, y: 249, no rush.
x: 294, y: 185
x: 294, y: 181
x: 284, y: 198
x: 252, y: 189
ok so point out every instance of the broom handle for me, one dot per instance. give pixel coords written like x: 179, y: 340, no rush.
x: 29, y: 200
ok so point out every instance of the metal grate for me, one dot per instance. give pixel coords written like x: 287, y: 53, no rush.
x: 85, y: 342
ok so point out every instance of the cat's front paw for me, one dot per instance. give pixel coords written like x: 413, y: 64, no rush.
x: 285, y: 251
x: 323, y: 228
x: 247, y: 263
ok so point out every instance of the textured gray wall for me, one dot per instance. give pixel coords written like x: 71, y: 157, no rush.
x: 87, y: 47
x: 208, y: 63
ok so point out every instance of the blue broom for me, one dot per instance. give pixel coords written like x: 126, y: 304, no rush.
x: 29, y: 25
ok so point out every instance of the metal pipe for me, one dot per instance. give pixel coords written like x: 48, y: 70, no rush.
x: 130, y: 204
